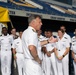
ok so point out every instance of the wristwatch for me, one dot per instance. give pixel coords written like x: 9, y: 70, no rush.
x: 63, y: 55
x: 47, y: 41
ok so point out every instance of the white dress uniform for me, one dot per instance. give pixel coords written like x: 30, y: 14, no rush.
x: 44, y: 60
x: 17, y: 44
x: 41, y: 54
x: 6, y: 42
x: 73, y: 48
x: 69, y: 40
x: 30, y: 37
x: 62, y: 65
x: 50, y: 61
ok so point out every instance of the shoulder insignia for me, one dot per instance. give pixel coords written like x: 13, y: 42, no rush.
x: 0, y: 35
x: 17, y: 42
x: 65, y: 37
x: 33, y: 30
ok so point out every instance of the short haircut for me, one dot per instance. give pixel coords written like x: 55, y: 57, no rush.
x: 63, y: 26
x: 32, y: 17
x: 4, y: 28
x: 20, y: 31
x: 49, y: 30
x: 13, y: 28
x: 61, y: 30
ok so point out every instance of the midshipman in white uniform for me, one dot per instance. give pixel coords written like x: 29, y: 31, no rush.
x: 5, y: 41
x: 73, y: 48
x: 50, y: 60
x: 61, y: 51
x: 66, y: 36
x: 40, y: 53
x: 18, y: 54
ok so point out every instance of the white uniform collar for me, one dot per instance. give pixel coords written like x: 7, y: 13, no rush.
x: 61, y: 38
x: 40, y: 36
x: 65, y: 34
x: 32, y: 28
x: 4, y: 35
x: 19, y: 38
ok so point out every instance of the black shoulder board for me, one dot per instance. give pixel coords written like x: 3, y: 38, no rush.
x: 33, y: 30
x: 0, y: 35
x: 65, y: 37
x: 74, y: 41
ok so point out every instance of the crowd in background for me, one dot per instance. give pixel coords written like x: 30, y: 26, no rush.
x: 54, y: 56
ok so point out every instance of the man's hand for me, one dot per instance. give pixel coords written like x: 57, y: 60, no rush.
x: 52, y: 40
x: 34, y: 53
x: 48, y: 54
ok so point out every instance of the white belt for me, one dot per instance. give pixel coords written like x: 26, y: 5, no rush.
x: 5, y: 50
x: 28, y: 58
x: 20, y: 52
